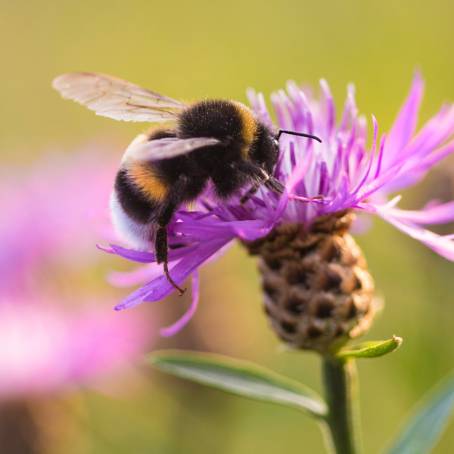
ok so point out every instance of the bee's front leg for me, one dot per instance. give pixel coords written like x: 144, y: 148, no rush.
x: 261, y: 176
x: 251, y: 191
x: 274, y: 184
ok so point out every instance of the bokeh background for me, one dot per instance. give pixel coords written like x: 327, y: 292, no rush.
x: 200, y: 49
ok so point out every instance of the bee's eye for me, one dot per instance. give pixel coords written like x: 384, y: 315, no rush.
x: 276, y: 143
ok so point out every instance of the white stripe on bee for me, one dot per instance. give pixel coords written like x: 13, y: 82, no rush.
x: 135, y: 234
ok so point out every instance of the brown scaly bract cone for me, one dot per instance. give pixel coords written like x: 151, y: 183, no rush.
x: 318, y: 291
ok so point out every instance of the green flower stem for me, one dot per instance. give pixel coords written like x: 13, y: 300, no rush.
x: 339, y: 378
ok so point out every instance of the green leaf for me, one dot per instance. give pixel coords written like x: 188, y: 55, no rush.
x: 427, y: 423
x: 239, y: 377
x: 371, y: 349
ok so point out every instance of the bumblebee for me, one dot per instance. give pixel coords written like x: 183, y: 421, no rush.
x: 212, y: 140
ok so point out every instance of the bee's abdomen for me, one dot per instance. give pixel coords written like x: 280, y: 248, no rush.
x: 137, y: 205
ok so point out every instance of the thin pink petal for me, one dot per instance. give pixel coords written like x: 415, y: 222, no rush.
x: 184, y: 320
x: 405, y: 124
x: 329, y: 106
x: 433, y: 214
x: 138, y: 276
x: 442, y: 245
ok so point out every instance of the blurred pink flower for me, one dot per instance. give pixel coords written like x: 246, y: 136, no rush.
x: 53, y: 215
x: 45, y: 349
x: 59, y: 202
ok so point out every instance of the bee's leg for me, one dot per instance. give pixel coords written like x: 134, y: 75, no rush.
x: 274, y: 184
x: 252, y: 190
x: 261, y: 176
x: 163, y: 219
x: 161, y: 248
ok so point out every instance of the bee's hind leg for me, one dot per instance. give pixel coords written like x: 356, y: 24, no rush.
x: 163, y: 219
x: 161, y: 248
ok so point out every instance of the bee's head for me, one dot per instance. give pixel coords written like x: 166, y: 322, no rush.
x: 274, y: 139
x: 266, y: 148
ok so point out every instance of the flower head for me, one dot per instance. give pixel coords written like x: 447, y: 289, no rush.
x: 341, y: 174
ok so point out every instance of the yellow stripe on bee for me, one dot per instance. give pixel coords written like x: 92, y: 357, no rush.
x: 249, y: 129
x: 147, y: 181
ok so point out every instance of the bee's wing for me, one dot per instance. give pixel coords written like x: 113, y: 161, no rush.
x: 169, y: 147
x: 116, y: 98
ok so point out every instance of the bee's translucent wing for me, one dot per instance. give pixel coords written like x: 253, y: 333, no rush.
x: 116, y: 98
x: 169, y: 147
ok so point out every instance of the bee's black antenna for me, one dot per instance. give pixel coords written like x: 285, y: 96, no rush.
x: 294, y: 133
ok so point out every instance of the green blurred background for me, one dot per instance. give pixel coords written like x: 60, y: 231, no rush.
x: 206, y: 48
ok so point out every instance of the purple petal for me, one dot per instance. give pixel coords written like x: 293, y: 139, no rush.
x: 129, y: 254
x: 414, y: 169
x: 405, y: 123
x: 329, y: 106
x: 437, y: 155
x: 371, y: 158
x: 432, y: 214
x: 433, y: 133
x: 324, y: 179
x: 182, y: 322
x: 380, y: 155
x: 160, y: 287
x: 138, y: 276
x: 442, y: 245
x: 350, y: 109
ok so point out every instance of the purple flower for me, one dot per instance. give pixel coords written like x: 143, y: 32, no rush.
x: 342, y: 173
